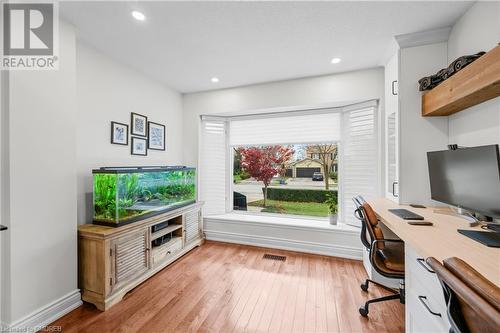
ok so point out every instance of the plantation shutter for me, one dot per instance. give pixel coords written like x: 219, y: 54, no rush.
x: 359, y: 164
x: 212, y: 166
x: 316, y: 127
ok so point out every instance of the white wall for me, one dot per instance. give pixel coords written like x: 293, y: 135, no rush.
x: 42, y: 257
x: 345, y: 87
x: 108, y: 91
x: 477, y: 30
x: 417, y: 134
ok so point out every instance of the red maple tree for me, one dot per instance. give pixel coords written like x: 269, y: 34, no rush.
x: 263, y: 163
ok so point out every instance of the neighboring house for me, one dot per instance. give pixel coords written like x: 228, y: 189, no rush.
x: 304, y: 168
x: 313, y: 153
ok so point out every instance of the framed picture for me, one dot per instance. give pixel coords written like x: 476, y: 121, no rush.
x: 139, y: 146
x: 119, y: 133
x: 156, y: 136
x: 138, y: 124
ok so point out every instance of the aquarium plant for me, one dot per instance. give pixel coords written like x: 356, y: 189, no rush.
x: 105, y: 196
x: 124, y: 195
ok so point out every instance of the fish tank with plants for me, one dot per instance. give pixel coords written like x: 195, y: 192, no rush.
x: 128, y: 194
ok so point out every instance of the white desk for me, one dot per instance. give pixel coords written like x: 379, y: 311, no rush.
x: 440, y: 241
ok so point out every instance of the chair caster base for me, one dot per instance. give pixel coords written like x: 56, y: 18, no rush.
x: 363, y: 311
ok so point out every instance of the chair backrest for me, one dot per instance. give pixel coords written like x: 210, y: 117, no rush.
x: 370, y: 229
x: 473, y: 301
x: 360, y: 215
x: 358, y: 201
x: 372, y: 225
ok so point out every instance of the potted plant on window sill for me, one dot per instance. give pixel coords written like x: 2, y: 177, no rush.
x: 331, y: 201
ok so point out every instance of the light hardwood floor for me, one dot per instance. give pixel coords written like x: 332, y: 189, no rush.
x: 221, y: 287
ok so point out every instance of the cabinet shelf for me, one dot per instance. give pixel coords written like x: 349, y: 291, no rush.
x: 165, y: 231
x: 476, y: 83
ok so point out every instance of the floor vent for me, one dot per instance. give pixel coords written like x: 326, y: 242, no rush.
x: 274, y: 257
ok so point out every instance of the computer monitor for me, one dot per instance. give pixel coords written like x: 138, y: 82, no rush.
x: 468, y: 178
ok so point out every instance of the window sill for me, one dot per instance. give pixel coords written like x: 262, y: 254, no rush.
x: 283, y: 221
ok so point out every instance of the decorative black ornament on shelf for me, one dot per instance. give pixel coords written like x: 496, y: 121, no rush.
x: 429, y: 82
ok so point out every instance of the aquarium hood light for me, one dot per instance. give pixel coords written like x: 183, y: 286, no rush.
x: 144, y: 167
x: 127, y: 169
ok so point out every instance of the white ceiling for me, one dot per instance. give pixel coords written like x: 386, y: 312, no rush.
x: 184, y: 44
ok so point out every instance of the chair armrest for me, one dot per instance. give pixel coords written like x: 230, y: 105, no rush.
x: 389, y: 240
x: 377, y: 258
x: 375, y: 241
x: 373, y: 248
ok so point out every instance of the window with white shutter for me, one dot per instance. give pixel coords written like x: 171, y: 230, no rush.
x: 353, y: 129
x: 321, y: 126
x: 213, y: 165
x: 359, y: 159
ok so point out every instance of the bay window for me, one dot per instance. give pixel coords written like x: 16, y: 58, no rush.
x: 294, y: 156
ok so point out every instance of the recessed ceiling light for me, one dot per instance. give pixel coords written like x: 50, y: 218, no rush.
x: 138, y: 15
x: 214, y: 79
x: 336, y: 60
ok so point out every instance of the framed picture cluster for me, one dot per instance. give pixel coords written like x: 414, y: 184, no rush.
x: 144, y: 135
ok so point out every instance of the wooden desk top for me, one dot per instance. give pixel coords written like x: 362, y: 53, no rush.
x: 441, y: 240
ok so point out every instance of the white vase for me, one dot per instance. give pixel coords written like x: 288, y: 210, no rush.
x: 332, y: 218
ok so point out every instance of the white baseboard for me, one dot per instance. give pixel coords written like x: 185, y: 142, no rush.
x: 42, y: 317
x: 286, y: 244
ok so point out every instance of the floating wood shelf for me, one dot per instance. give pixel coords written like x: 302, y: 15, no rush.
x: 476, y: 83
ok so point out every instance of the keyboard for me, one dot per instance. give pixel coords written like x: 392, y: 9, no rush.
x: 405, y: 214
x: 490, y: 239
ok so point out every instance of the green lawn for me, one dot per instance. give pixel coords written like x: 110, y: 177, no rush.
x: 294, y: 208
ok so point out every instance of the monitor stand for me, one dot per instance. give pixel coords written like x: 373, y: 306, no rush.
x: 458, y: 212
x: 493, y: 226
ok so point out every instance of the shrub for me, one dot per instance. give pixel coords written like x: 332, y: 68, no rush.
x: 239, y: 176
x: 244, y: 175
x: 236, y: 178
x: 334, y: 176
x: 298, y: 195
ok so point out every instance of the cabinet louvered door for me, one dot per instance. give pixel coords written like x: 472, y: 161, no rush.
x: 130, y: 255
x: 192, y: 225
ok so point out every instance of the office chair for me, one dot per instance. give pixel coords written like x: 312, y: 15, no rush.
x: 473, y: 302
x: 386, y: 255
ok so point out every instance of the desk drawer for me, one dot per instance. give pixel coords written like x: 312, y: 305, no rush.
x: 419, y: 273
x: 425, y: 288
x: 419, y: 319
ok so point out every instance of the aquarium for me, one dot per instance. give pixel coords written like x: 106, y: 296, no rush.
x: 125, y: 195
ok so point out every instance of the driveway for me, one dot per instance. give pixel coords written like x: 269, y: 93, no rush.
x: 253, y: 189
